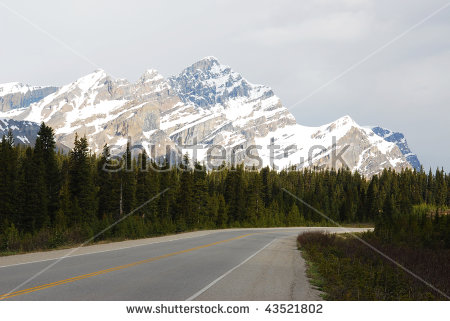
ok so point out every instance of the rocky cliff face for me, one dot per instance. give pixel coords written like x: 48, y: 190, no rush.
x: 212, y: 107
x: 399, y: 140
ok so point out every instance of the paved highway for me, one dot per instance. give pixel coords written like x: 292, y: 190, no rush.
x: 239, y: 264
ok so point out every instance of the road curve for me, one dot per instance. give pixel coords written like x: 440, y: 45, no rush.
x: 235, y: 264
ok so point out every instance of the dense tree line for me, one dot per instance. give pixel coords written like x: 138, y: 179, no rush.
x: 48, y: 198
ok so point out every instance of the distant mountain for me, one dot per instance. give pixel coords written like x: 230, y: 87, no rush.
x: 24, y: 132
x: 16, y: 95
x: 207, y: 104
x: 400, y: 140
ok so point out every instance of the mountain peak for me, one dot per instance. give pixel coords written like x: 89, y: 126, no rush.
x: 210, y: 59
x: 96, y: 73
x: 150, y: 75
x: 345, y: 120
x: 207, y: 83
x: 99, y: 70
x: 205, y: 64
x: 91, y: 80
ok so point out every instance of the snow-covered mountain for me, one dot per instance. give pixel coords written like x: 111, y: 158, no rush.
x: 207, y: 105
x: 17, y: 95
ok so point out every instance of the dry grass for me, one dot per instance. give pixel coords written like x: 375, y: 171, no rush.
x: 352, y: 271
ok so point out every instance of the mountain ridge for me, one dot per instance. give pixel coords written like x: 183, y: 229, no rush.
x: 206, y: 104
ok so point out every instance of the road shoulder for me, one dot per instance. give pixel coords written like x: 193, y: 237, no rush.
x: 277, y: 273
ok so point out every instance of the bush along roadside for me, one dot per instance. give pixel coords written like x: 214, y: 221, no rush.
x: 346, y: 269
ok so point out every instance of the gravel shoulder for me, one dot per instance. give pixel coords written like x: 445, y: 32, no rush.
x: 277, y: 273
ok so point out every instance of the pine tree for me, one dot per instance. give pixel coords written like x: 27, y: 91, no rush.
x: 142, y: 183
x: 45, y: 149
x: 152, y: 182
x: 128, y: 182
x: 222, y: 215
x: 234, y: 194
x: 186, y: 215
x: 8, y: 180
x: 255, y: 204
x: 81, y: 183
x: 105, y: 184
x: 33, y: 194
x: 201, y: 197
x: 65, y: 203
x: 440, y: 191
x: 265, y: 186
x: 168, y: 181
x: 294, y: 218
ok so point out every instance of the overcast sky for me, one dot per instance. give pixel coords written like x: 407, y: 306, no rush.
x: 400, y: 75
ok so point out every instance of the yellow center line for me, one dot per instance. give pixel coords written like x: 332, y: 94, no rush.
x: 117, y: 268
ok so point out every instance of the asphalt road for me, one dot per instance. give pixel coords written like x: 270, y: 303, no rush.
x: 242, y: 264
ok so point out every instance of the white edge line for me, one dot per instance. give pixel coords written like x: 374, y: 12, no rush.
x: 110, y: 250
x: 226, y: 273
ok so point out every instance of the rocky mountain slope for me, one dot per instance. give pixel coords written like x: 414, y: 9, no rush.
x: 24, y: 132
x: 206, y: 106
x: 400, y: 140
